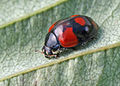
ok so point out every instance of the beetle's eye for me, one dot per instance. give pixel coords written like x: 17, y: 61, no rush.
x: 48, y: 52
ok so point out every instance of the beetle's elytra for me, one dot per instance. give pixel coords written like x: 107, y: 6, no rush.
x: 70, y: 32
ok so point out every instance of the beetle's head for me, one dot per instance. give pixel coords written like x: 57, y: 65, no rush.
x: 51, y: 47
x: 50, y: 52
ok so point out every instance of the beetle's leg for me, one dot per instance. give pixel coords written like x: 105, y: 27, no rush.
x: 57, y: 55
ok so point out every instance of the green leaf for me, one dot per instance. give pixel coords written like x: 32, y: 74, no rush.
x: 95, y: 64
x: 14, y: 9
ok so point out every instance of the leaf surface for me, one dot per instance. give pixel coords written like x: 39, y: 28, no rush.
x: 89, y: 66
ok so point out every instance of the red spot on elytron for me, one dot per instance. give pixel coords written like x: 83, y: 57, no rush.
x: 74, y: 15
x: 52, y: 27
x: 68, y: 38
x: 80, y: 21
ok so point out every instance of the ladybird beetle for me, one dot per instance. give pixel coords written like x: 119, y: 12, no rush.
x: 68, y: 33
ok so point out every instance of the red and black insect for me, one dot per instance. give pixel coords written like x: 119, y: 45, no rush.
x: 68, y: 33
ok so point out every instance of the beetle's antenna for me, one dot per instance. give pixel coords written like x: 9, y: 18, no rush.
x: 38, y: 51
